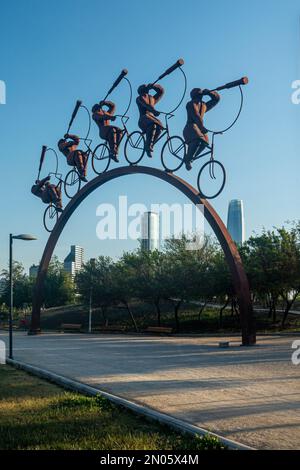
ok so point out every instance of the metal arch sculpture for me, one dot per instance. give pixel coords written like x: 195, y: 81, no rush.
x: 239, y: 277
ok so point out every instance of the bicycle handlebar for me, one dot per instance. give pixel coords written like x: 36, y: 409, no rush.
x: 166, y: 114
x: 57, y: 175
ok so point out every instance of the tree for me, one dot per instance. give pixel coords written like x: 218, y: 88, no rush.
x: 59, y: 286
x: 146, y: 277
x: 260, y: 258
x: 272, y: 262
x: 186, y: 272
x: 123, y: 284
x: 96, y: 278
x: 221, y: 283
x: 22, y: 286
x: 289, y: 267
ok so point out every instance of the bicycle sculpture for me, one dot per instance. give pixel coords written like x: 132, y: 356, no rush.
x: 104, y: 153
x: 157, y: 131
x: 75, y: 157
x: 176, y: 151
x: 52, y: 212
x: 173, y: 156
x: 50, y: 194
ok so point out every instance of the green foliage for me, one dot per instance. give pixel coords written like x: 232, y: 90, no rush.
x: 272, y: 262
x: 59, y: 286
x: 103, y: 403
x: 96, y: 275
x: 38, y: 415
x: 22, y: 286
x: 176, y: 275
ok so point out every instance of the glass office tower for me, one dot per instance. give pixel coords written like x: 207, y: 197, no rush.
x: 235, y: 221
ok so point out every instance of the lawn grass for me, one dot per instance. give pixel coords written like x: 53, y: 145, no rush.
x: 38, y: 415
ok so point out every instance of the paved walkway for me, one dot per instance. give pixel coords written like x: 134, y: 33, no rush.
x: 251, y: 395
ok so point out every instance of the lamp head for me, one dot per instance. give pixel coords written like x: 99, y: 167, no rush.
x: 24, y: 236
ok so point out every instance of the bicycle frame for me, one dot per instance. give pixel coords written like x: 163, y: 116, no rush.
x: 166, y: 129
x: 57, y: 176
x: 210, y: 147
x: 124, y: 120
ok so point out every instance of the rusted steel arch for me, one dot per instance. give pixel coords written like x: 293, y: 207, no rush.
x: 239, y: 277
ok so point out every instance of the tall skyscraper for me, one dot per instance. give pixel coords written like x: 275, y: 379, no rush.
x: 150, y: 231
x: 74, y: 261
x: 235, y: 221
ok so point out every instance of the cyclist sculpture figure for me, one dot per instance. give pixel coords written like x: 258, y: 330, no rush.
x: 194, y: 132
x: 48, y: 192
x: 75, y: 157
x: 148, y: 121
x: 112, y: 134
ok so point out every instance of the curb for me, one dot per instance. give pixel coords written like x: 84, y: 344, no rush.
x: 162, y: 418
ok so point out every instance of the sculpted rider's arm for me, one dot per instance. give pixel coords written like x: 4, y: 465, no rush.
x: 140, y: 100
x: 43, y: 181
x: 159, y: 92
x: 38, y: 185
x: 75, y: 140
x: 214, y: 99
x: 111, y: 108
x: 193, y: 110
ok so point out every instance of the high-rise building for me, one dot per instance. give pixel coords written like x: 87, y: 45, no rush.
x: 74, y: 261
x: 33, y: 270
x: 3, y: 285
x: 150, y: 231
x: 235, y: 221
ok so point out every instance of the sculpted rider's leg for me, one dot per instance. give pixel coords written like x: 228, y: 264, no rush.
x: 192, y: 147
x: 54, y: 195
x: 152, y: 134
x: 119, y: 136
x: 149, y: 138
x: 80, y: 162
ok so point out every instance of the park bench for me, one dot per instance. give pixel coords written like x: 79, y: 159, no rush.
x: 159, y: 329
x: 110, y: 328
x: 71, y: 326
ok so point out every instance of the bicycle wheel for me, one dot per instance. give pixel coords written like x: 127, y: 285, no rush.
x: 173, y: 153
x: 50, y: 217
x: 101, y: 159
x: 211, y: 179
x: 134, y: 147
x: 72, y: 183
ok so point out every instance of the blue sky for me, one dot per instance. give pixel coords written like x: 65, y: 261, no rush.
x: 53, y: 52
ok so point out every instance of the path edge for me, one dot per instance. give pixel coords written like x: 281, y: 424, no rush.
x: 162, y: 418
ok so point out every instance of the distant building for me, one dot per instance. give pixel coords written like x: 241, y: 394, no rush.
x: 74, y: 261
x: 150, y: 231
x: 235, y: 221
x: 33, y: 270
x: 3, y: 284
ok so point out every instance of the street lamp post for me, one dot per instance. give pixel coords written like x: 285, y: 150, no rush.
x: 26, y: 237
